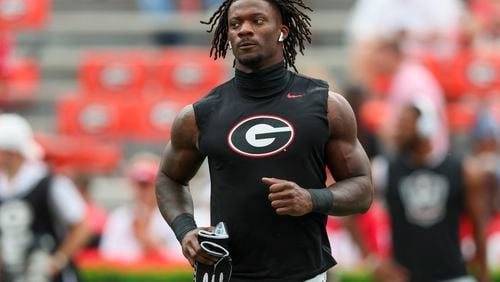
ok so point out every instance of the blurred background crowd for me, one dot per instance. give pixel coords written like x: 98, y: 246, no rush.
x: 100, y: 81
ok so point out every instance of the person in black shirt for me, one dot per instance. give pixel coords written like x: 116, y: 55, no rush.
x: 426, y: 194
x: 268, y: 134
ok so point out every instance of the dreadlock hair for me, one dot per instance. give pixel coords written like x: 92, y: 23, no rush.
x: 292, y: 16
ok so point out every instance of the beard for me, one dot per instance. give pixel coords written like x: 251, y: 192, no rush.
x: 251, y: 60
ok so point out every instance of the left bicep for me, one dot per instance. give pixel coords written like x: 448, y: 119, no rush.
x: 345, y: 156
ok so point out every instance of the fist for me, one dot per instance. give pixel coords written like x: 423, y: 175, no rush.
x: 191, y: 248
x: 288, y: 198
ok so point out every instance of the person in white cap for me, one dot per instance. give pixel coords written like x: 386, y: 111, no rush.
x: 41, y: 214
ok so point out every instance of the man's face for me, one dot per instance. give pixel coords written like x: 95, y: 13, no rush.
x: 8, y: 158
x: 406, y: 129
x: 254, y: 29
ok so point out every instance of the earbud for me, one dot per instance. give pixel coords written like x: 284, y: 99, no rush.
x: 229, y: 45
x: 282, y: 37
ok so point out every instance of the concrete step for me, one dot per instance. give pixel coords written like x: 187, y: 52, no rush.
x: 129, y: 22
x: 94, y: 5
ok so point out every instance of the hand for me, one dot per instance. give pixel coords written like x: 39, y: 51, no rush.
x: 288, y: 198
x: 57, y: 263
x: 389, y: 271
x: 191, y: 248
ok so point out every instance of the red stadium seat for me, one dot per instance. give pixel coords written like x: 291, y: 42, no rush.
x: 154, y: 119
x: 107, y: 72
x: 461, y: 116
x: 22, y: 81
x: 373, y: 114
x: 482, y: 74
x: 94, y: 116
x: 466, y: 73
x: 191, y: 73
x: 80, y: 154
x: 442, y: 69
x: 23, y: 14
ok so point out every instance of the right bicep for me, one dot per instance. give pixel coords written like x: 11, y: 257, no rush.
x: 182, y: 158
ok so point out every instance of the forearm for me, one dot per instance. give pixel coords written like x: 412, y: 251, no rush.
x: 77, y: 238
x: 480, y: 242
x: 176, y: 205
x: 173, y: 198
x: 351, y: 196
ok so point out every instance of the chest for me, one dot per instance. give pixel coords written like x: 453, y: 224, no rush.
x: 425, y: 196
x: 259, y: 128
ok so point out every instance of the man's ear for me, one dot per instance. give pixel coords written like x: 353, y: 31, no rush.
x: 284, y: 31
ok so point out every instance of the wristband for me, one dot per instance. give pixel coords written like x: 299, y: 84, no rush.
x: 182, y: 224
x: 322, y: 200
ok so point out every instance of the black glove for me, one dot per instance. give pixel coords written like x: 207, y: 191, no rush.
x: 215, y: 244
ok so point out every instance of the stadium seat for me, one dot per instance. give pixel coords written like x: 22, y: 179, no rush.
x: 190, y: 73
x: 79, y: 154
x: 441, y: 69
x: 466, y: 73
x: 114, y: 73
x: 94, y: 116
x: 23, y: 14
x: 373, y: 114
x: 154, y: 118
x: 482, y: 74
x: 22, y: 79
x: 461, y: 116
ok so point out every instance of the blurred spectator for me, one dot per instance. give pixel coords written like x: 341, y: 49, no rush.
x: 137, y: 230
x: 183, y: 6
x: 484, y: 156
x: 485, y: 160
x: 409, y: 80
x: 41, y: 214
x: 158, y: 10
x: 426, y: 195
x: 425, y: 24
x: 96, y: 215
x: 356, y: 95
x: 486, y: 16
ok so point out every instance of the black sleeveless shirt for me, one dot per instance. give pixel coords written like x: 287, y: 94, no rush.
x: 272, y: 123
x: 425, y: 204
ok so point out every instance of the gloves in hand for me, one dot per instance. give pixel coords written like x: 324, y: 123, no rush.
x: 215, y: 244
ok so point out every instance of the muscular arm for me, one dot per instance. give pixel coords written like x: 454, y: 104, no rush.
x: 347, y: 161
x: 353, y: 191
x: 180, y: 163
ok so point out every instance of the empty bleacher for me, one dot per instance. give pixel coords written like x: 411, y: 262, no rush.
x: 77, y: 26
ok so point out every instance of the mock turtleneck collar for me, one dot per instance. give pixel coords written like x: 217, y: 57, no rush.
x: 263, y: 83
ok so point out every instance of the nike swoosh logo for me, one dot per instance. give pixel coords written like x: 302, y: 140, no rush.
x: 293, y: 96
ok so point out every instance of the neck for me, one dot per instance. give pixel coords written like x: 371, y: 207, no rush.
x: 263, y: 83
x: 421, y: 152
